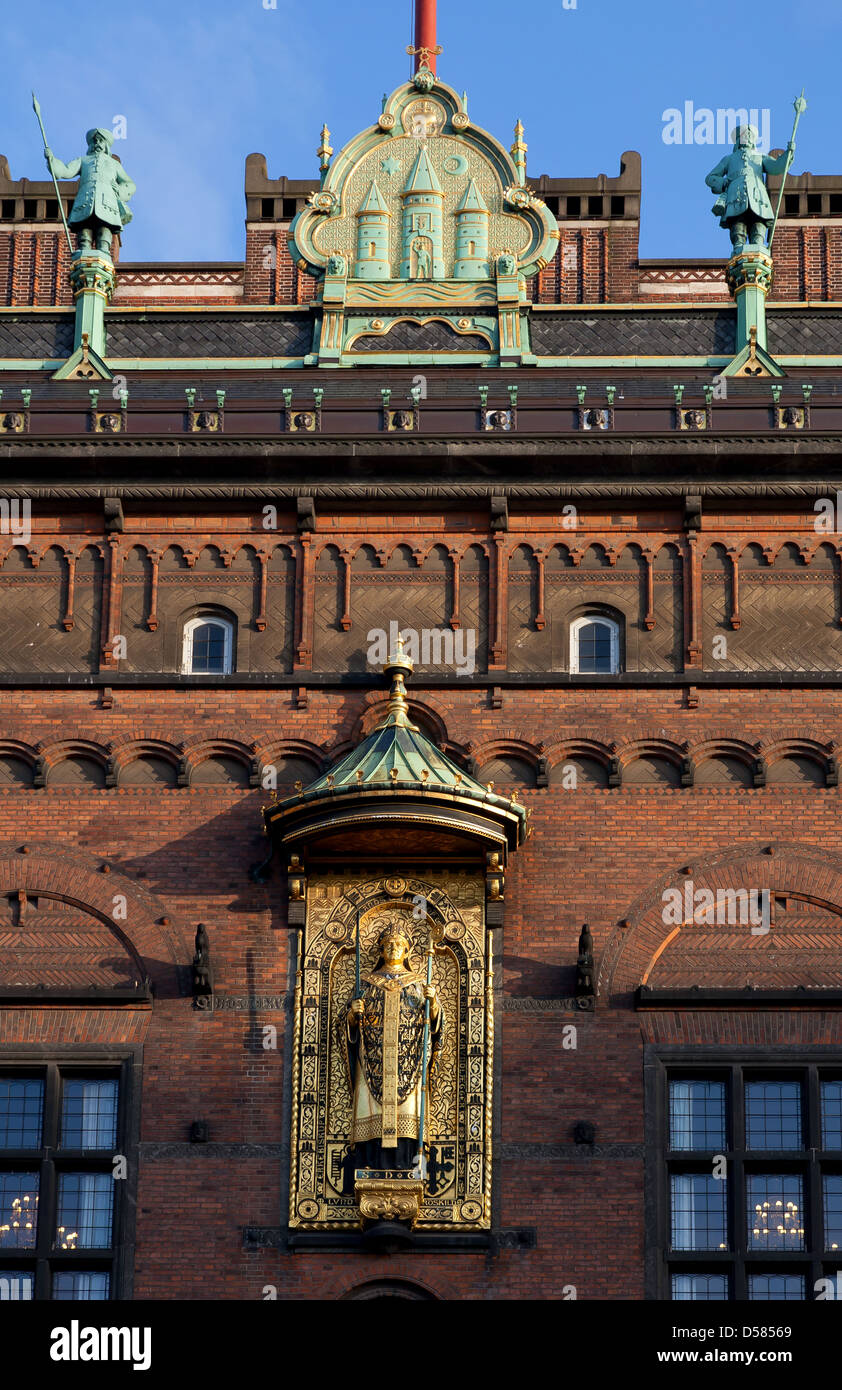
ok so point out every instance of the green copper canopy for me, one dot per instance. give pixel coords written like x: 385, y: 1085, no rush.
x: 397, y: 764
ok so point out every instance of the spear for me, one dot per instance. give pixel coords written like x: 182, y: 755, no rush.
x: 800, y: 105
x: 357, y: 978
x: 37, y: 109
x: 420, y: 1162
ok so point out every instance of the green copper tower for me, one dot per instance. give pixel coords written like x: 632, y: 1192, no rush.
x: 471, y: 236
x: 422, y: 223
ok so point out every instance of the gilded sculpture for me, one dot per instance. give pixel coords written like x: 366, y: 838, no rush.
x: 385, y: 1035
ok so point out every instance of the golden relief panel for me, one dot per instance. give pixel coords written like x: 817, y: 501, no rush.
x: 456, y: 162
x: 457, y: 1122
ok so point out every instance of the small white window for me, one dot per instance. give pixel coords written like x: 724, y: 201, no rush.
x: 594, y: 645
x: 208, y: 647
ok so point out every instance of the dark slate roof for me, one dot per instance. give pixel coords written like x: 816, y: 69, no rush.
x: 703, y: 331
x: 637, y: 332
x: 804, y: 330
x: 204, y: 335
x: 36, y: 335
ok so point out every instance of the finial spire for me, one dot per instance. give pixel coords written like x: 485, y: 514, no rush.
x: 396, y: 666
x: 324, y: 152
x: 519, y: 149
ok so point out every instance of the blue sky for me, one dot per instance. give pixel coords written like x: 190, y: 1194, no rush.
x: 202, y: 83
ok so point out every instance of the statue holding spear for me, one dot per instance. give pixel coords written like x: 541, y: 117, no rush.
x: 101, y: 205
x: 743, y: 204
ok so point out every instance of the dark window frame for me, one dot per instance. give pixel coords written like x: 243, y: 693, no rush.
x: 124, y: 1064
x: 811, y: 1064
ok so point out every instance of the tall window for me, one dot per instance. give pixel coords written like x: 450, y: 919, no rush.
x: 750, y: 1183
x: 594, y: 645
x: 208, y: 646
x: 61, y: 1192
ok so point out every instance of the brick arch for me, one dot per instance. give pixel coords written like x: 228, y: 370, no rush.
x: 649, y: 746
x: 285, y: 751
x: 659, y: 749
x: 52, y: 753
x: 123, y: 769
x: 494, y: 764
x: 215, y: 748
x: 704, y: 750
x: 775, y: 750
x: 130, y: 749
x: 14, y: 748
x: 325, y: 549
x: 34, y: 551
x: 666, y: 545
x: 404, y: 1271
x: 795, y: 740
x: 413, y: 1290
x: 810, y: 549
x: 562, y: 735
x: 573, y: 747
x: 78, y: 881
x: 791, y: 870
x: 506, y: 743
x: 427, y: 713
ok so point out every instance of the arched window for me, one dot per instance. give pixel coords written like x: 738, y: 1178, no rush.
x: 594, y: 645
x: 208, y: 646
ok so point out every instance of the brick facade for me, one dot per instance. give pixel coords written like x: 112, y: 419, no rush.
x: 182, y: 855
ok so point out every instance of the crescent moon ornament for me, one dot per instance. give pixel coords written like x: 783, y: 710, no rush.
x: 455, y: 164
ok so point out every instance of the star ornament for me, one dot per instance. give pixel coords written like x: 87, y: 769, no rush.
x: 390, y: 165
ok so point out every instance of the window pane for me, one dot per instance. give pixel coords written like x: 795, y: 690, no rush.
x: 697, y: 1115
x: 89, y: 1115
x: 832, y: 1211
x: 21, y: 1107
x: 208, y: 648
x: 85, y: 1202
x: 77, y: 1284
x: 16, y: 1283
x: 699, y: 1220
x: 773, y: 1115
x: 832, y: 1114
x: 775, y: 1211
x: 594, y: 647
x: 700, y: 1288
x: 786, y: 1288
x: 18, y: 1210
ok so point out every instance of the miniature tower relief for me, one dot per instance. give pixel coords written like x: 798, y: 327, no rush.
x: 422, y: 223
x: 373, y: 237
x: 471, y: 236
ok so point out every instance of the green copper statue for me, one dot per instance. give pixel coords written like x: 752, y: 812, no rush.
x: 100, y: 208
x: 743, y: 204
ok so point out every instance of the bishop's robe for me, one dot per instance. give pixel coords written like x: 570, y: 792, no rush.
x: 384, y: 1056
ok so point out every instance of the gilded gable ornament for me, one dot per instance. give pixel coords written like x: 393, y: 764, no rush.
x: 415, y: 203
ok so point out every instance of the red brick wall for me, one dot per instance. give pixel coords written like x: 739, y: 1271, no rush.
x: 33, y: 268
x: 184, y: 854
x: 808, y: 262
x: 271, y: 277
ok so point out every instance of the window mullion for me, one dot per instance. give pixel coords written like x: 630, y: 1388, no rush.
x: 52, y: 1096
x: 812, y: 1117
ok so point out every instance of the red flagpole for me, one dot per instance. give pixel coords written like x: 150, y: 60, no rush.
x: 425, y: 33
